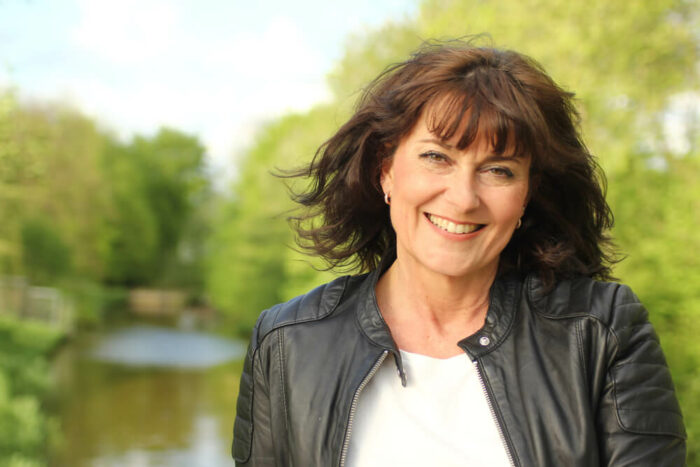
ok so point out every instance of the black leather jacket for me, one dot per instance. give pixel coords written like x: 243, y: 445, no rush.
x: 575, y: 377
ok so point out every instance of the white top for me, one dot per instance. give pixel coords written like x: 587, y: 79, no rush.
x: 440, y: 418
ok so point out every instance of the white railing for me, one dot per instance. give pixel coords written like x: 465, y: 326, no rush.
x: 24, y: 301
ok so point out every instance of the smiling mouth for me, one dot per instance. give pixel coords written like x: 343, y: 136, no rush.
x: 451, y: 227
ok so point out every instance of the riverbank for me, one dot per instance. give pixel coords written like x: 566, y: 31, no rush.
x: 25, y: 426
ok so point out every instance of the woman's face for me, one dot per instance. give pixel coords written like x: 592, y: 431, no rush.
x: 453, y: 210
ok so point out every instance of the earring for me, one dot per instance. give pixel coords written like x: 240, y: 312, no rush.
x: 520, y: 223
x: 387, y: 198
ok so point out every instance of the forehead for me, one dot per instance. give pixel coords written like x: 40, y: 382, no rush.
x: 463, y: 119
x: 442, y: 124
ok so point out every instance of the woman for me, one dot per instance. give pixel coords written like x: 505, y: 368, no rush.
x: 483, y: 333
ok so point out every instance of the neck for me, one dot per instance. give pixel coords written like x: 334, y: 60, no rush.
x: 430, y: 312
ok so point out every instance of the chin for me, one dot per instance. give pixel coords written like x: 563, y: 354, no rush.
x: 450, y: 267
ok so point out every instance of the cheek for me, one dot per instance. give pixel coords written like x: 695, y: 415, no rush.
x: 414, y: 182
x: 510, y: 205
x: 409, y: 197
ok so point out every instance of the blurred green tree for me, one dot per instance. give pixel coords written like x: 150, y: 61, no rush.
x: 77, y: 203
x: 158, y: 184
x: 50, y: 172
x: 251, y: 255
x: 46, y: 256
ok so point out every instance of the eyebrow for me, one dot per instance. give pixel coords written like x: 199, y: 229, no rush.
x: 437, y: 141
x: 489, y: 158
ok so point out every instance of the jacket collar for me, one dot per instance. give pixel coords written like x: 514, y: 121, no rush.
x: 504, y: 298
x: 503, y: 303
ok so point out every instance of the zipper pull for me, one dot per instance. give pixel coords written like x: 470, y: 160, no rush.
x: 402, y: 375
x: 399, y: 368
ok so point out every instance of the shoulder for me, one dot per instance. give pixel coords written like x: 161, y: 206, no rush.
x: 615, y: 335
x: 314, y: 305
x: 610, y: 303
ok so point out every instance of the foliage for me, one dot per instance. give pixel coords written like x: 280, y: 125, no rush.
x: 250, y: 267
x: 49, y: 157
x: 93, y: 303
x: 77, y: 203
x: 46, y: 256
x: 24, y: 384
x: 158, y: 183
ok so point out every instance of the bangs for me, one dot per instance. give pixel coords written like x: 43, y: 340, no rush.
x: 487, y: 110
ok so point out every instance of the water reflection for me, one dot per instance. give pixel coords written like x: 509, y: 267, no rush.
x: 147, y: 396
x: 163, y: 347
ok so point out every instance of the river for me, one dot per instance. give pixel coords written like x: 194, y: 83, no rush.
x: 143, y: 395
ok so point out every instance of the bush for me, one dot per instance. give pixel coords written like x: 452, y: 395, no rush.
x: 24, y: 384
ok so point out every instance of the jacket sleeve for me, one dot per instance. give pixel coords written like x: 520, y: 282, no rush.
x: 252, y: 437
x: 639, y: 419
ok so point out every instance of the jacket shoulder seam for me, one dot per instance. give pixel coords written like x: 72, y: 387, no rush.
x: 281, y: 308
x: 539, y: 309
x: 581, y: 351
x: 249, y: 445
x: 280, y: 352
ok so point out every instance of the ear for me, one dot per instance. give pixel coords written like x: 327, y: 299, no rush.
x: 386, y: 178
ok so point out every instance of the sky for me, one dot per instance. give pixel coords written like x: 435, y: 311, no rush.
x: 213, y: 68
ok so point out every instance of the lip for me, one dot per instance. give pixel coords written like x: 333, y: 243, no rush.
x: 449, y: 235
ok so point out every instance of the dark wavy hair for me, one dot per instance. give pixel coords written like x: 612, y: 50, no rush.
x: 481, y: 92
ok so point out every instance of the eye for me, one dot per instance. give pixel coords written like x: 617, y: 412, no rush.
x: 497, y: 171
x: 434, y: 156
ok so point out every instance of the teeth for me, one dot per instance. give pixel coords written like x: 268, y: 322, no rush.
x: 451, y: 227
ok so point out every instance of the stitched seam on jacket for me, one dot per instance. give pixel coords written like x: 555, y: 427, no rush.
x: 371, y: 341
x: 253, y: 357
x: 614, y: 383
x: 611, y: 332
x: 331, y: 309
x: 614, y: 393
x: 250, y: 408
x: 579, y: 316
x: 356, y: 319
x: 582, y: 354
x: 537, y: 308
x: 259, y: 342
x: 611, y: 375
x: 647, y: 411
x: 282, y: 388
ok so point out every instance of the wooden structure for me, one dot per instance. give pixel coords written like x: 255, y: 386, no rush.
x: 157, y: 302
x: 24, y: 301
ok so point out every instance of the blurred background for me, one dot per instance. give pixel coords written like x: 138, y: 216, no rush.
x: 141, y: 232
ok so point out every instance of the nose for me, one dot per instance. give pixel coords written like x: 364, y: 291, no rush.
x: 463, y: 192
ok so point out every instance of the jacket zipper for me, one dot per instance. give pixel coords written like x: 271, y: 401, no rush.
x: 507, y: 447
x: 353, y: 406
